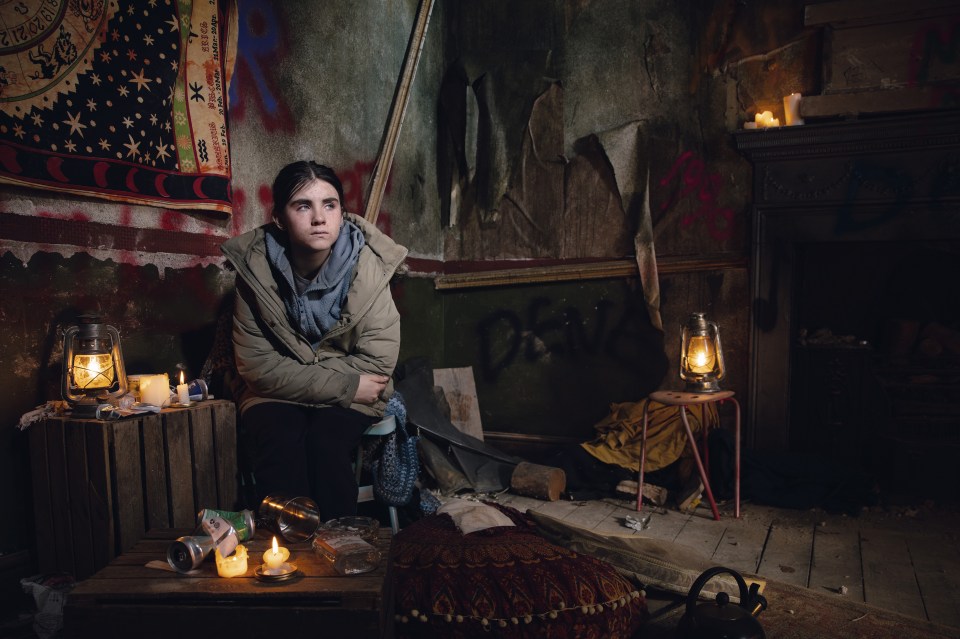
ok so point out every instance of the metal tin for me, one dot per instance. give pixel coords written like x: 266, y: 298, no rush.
x: 294, y: 518
x: 197, y: 389
x: 188, y: 553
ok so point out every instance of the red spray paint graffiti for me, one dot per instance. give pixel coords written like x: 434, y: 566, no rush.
x: 695, y: 179
x: 931, y: 45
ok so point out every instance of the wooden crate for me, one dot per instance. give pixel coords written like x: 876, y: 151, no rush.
x: 129, y: 599
x: 98, y: 486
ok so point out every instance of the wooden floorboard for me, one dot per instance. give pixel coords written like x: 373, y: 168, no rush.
x: 888, y: 576
x: 836, y: 561
x: 936, y: 564
x: 906, y: 560
x: 786, y: 556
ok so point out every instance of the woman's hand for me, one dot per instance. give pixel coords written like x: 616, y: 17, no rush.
x: 370, y: 388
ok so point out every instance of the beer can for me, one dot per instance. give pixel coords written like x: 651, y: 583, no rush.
x: 188, y: 553
x: 241, y: 521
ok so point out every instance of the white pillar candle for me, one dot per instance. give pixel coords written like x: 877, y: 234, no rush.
x: 791, y: 109
x: 155, y: 389
x: 183, y: 391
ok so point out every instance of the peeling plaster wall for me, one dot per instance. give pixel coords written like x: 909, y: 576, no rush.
x: 313, y: 80
x: 316, y: 79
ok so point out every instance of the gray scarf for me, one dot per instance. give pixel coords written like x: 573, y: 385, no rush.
x: 316, y: 309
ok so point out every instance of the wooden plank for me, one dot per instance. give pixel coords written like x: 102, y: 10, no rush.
x: 936, y: 563
x: 842, y: 13
x: 79, y: 510
x: 60, y: 496
x: 157, y: 502
x: 100, y: 493
x: 786, y: 554
x: 888, y: 576
x: 225, y: 442
x: 614, y: 521
x: 886, y: 101
x: 836, y: 559
x: 250, y: 620
x: 702, y: 533
x: 42, y: 500
x: 398, y: 107
x: 519, y: 502
x: 127, y: 482
x: 460, y: 391
x: 203, y: 458
x: 588, y: 514
x: 559, y: 509
x: 741, y: 546
x: 180, y: 478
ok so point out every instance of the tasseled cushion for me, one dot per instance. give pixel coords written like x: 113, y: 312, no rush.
x: 508, y: 579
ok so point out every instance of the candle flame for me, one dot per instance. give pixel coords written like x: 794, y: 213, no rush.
x: 276, y: 550
x: 181, y: 377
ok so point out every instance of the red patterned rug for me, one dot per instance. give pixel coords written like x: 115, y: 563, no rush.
x: 800, y: 613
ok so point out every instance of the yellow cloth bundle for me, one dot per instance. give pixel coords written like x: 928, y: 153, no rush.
x: 618, y: 434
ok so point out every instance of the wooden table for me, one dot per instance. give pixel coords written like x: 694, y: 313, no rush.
x: 99, y: 485
x: 127, y: 599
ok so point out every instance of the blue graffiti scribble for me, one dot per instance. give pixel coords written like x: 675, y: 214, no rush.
x: 876, y: 177
x: 252, y: 45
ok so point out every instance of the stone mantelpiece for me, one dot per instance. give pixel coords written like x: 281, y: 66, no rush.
x: 890, y: 179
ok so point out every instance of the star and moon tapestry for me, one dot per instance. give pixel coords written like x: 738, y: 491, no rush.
x: 124, y: 100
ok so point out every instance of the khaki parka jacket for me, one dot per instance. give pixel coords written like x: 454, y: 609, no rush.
x: 276, y: 363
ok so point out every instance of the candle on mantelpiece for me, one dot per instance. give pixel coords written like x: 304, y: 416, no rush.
x: 791, y: 109
x: 274, y: 558
x: 183, y: 391
x: 765, y: 120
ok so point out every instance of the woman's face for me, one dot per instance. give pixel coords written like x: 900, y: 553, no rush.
x: 312, y: 219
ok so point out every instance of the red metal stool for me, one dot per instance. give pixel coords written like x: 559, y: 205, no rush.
x: 684, y: 399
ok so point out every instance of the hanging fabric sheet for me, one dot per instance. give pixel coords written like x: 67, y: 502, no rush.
x: 119, y: 100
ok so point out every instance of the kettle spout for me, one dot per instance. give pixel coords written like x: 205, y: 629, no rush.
x: 757, y: 603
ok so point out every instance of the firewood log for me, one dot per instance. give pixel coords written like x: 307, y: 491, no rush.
x: 542, y: 482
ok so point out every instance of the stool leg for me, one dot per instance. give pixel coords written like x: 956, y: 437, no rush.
x: 691, y: 440
x: 736, y: 462
x: 394, y: 522
x: 643, y: 457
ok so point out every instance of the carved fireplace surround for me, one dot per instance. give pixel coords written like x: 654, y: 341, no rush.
x: 889, y: 179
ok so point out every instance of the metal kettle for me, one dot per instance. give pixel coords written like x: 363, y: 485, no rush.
x: 721, y: 619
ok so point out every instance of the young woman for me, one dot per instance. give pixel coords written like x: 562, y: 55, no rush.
x: 316, y: 337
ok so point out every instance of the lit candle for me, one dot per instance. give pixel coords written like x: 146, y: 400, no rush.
x: 791, y: 109
x: 766, y: 119
x: 275, y: 558
x: 183, y: 391
x: 234, y: 565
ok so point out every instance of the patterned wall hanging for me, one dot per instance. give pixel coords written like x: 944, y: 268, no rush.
x: 125, y: 101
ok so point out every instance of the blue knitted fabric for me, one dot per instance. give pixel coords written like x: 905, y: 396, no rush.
x: 395, y: 473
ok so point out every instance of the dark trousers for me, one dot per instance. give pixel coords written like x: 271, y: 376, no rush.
x: 301, y: 451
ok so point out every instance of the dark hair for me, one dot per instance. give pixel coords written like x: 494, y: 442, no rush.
x: 295, y: 176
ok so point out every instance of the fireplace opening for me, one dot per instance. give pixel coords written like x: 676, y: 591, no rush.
x: 875, y: 359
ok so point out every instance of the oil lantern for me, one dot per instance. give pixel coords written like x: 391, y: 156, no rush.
x: 701, y: 356
x: 93, y: 370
